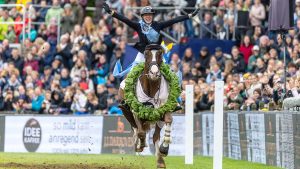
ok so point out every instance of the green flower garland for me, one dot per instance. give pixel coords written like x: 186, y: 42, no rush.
x: 145, y: 112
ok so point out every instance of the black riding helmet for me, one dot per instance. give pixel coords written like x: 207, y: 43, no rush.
x: 147, y: 10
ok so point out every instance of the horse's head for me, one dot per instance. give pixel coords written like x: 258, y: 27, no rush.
x: 153, y: 56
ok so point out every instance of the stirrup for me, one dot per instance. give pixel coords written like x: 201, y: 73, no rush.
x: 178, y: 108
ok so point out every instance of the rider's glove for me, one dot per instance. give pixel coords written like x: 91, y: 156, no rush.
x: 106, y: 8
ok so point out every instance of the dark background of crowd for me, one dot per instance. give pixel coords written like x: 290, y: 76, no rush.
x: 65, y: 64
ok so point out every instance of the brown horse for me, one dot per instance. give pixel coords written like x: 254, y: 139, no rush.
x: 151, y: 90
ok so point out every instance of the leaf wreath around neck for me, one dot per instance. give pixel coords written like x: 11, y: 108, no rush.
x: 146, y: 112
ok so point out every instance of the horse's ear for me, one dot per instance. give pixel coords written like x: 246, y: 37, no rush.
x: 159, y: 55
x: 148, y: 55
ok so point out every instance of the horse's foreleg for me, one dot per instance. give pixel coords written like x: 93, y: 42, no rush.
x: 160, y: 163
x: 164, y: 147
x: 141, y: 135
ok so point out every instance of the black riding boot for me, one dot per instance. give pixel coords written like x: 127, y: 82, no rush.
x: 127, y: 113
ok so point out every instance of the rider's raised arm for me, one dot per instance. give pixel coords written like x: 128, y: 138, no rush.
x: 132, y: 24
x: 173, y: 21
x: 178, y: 19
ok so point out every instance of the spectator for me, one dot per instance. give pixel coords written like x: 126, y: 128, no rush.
x: 76, y: 70
x: 10, y: 35
x: 259, y: 66
x: 9, y: 98
x: 56, y: 102
x: 214, y: 74
x: 65, y: 80
x: 64, y: 50
x: 238, y: 61
x: 246, y: 48
x: 77, y: 11
x: 30, y: 61
x: 47, y: 77
x: 42, y: 12
x: 54, y: 12
x: 79, y: 103
x: 68, y: 19
x: 37, y: 100
x: 92, y: 103
x: 102, y: 95
x: 220, y: 58
x: 101, y: 70
x: 189, y: 57
x: 257, y: 13
x: 209, y: 25
x: 204, y: 59
x: 4, y: 27
x: 67, y: 101
x: 253, y: 58
x: 85, y: 83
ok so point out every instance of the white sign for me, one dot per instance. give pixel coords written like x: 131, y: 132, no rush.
x: 54, y: 134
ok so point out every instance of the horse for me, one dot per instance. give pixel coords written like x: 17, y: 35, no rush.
x: 151, y: 83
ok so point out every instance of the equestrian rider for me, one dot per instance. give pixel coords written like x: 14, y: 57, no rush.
x: 147, y: 29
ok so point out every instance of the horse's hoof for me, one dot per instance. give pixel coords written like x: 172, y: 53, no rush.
x: 164, y: 150
x: 161, y: 163
x: 139, y: 150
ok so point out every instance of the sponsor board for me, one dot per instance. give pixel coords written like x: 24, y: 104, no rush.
x: 117, y: 136
x: 2, y: 132
x: 285, y: 141
x: 255, y: 129
x: 234, y: 144
x: 54, y: 134
x: 208, y: 133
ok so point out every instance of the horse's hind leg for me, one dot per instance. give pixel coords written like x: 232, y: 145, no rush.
x: 164, y: 147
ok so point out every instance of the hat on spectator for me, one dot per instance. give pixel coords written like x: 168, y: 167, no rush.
x: 47, y: 67
x: 246, y: 75
x: 256, y: 48
x: 218, y: 49
x: 204, y: 48
x: 58, y: 57
x: 67, y: 5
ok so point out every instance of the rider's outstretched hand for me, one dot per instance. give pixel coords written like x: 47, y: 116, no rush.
x: 194, y: 13
x: 106, y: 8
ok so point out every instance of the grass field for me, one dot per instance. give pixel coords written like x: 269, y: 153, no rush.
x: 73, y: 161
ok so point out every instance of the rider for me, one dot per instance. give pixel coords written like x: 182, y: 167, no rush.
x: 147, y: 29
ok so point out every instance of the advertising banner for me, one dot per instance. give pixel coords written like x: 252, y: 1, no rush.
x: 54, y: 134
x: 234, y: 144
x: 198, y: 134
x: 285, y: 141
x: 2, y: 132
x: 270, y: 128
x: 255, y: 129
x: 296, y: 130
x: 208, y: 134
x: 117, y: 136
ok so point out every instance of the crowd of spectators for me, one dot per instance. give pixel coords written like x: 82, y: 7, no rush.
x: 72, y: 72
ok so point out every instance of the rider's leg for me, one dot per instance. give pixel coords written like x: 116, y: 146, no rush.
x: 125, y: 108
